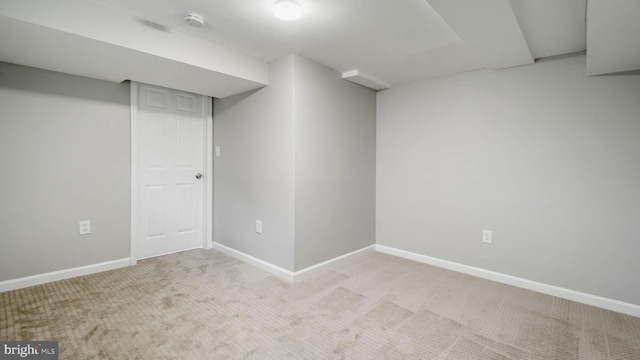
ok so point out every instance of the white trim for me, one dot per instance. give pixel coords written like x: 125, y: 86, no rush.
x: 208, y: 173
x: 133, y: 254
x: 39, y: 279
x: 283, y: 274
x: 602, y: 302
x: 304, y: 273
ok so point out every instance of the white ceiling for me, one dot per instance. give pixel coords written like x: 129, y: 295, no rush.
x: 552, y: 27
x: 390, y: 40
x: 613, y: 36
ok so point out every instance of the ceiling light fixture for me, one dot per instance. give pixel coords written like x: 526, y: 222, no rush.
x: 287, y: 10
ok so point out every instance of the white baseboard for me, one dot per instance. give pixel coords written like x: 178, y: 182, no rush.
x: 39, y: 279
x: 584, y: 298
x: 306, y: 272
x: 289, y: 276
x: 281, y: 273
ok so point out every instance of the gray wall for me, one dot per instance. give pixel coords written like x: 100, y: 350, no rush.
x: 254, y: 176
x: 334, y: 164
x: 64, y: 152
x: 547, y: 158
x: 298, y: 155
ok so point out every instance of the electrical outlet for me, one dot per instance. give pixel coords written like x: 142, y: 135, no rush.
x: 85, y: 227
x: 259, y: 226
x: 487, y: 236
x: 217, y: 151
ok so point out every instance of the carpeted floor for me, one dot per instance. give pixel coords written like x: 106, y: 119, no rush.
x: 201, y: 304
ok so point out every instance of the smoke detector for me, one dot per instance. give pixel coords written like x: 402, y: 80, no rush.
x: 193, y: 19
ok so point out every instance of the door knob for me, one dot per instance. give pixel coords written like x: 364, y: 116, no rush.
x: 198, y: 176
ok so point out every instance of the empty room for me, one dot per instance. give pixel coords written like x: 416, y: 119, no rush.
x: 320, y: 179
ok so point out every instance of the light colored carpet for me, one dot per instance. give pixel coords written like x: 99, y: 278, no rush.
x: 201, y: 304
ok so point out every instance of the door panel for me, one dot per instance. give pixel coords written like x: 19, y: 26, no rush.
x: 171, y: 138
x: 156, y: 219
x: 154, y: 98
x: 186, y: 211
x: 186, y: 144
x: 186, y: 103
x: 156, y: 146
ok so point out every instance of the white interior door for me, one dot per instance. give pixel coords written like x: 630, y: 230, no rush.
x: 170, y: 171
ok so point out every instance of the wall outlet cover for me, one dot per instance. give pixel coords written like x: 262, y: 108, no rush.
x: 85, y: 227
x: 487, y: 236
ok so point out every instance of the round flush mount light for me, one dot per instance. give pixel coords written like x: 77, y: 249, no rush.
x: 287, y: 10
x: 193, y: 19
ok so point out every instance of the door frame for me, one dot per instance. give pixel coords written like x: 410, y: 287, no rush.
x: 207, y: 211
